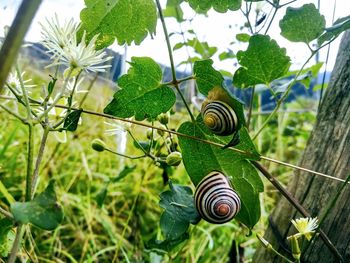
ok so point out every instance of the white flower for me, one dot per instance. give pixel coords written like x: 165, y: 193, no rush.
x: 62, y: 42
x: 70, y: 86
x: 56, y: 37
x: 306, y: 226
x: 14, y: 82
x: 116, y: 127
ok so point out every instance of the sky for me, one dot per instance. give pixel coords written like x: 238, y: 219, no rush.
x: 217, y: 29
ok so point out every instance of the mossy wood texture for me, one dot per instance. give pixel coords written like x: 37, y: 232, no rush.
x: 327, y: 151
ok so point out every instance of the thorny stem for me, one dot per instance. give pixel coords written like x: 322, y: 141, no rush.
x: 172, y: 60
x: 39, y: 159
x: 298, y: 206
x: 197, y: 139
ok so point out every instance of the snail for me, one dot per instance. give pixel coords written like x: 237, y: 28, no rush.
x: 215, y: 199
x: 219, y: 116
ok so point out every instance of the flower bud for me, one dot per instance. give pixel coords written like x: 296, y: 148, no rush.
x: 98, y: 145
x: 174, y: 159
x: 163, y: 118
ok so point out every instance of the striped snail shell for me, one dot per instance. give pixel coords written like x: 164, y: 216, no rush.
x: 215, y: 199
x: 220, y: 118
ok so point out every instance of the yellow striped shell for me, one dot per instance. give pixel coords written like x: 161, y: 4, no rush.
x: 220, y: 118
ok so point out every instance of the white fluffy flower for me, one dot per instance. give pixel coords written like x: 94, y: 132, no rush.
x: 62, y: 42
x: 14, y: 82
x: 306, y: 226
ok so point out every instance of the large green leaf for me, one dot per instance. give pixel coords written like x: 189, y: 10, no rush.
x: 263, y: 62
x: 43, y: 211
x: 221, y: 6
x: 339, y: 26
x: 200, y: 159
x: 142, y: 95
x: 126, y: 20
x: 206, y: 76
x: 302, y: 24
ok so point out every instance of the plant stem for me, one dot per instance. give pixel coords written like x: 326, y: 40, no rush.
x: 16, y: 244
x: 6, y: 213
x: 30, y: 159
x: 58, y: 97
x: 251, y: 103
x: 298, y: 206
x: 24, y: 92
x: 285, y: 95
x: 12, y: 113
x: 92, y: 82
x: 172, y: 65
x: 273, y: 17
x: 13, y: 40
x: 125, y: 156
x: 39, y: 159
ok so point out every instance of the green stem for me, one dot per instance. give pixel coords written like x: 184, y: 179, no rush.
x: 70, y: 102
x: 281, y: 100
x: 251, y: 103
x: 13, y: 40
x: 16, y: 244
x: 58, y: 97
x: 13, y: 113
x: 273, y: 17
x: 24, y: 92
x: 39, y: 159
x: 6, y: 213
x: 173, y: 72
x: 30, y: 159
x: 125, y: 156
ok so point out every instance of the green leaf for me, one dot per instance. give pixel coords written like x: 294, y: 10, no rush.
x: 178, y: 202
x: 6, y: 236
x: 167, y: 245
x: 72, y: 120
x: 125, y: 172
x: 261, y: 63
x: 339, y: 26
x: 302, y: 24
x: 142, y: 95
x: 200, y: 159
x: 173, y: 10
x: 179, y: 212
x: 101, y: 195
x: 126, y: 20
x: 206, y: 76
x: 221, y: 6
x: 243, y: 37
x: 43, y: 211
x: 226, y: 55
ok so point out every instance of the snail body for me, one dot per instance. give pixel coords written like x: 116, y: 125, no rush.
x: 220, y: 118
x: 215, y: 199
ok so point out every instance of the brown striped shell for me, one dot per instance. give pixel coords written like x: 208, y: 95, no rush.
x: 215, y: 199
x: 219, y: 117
